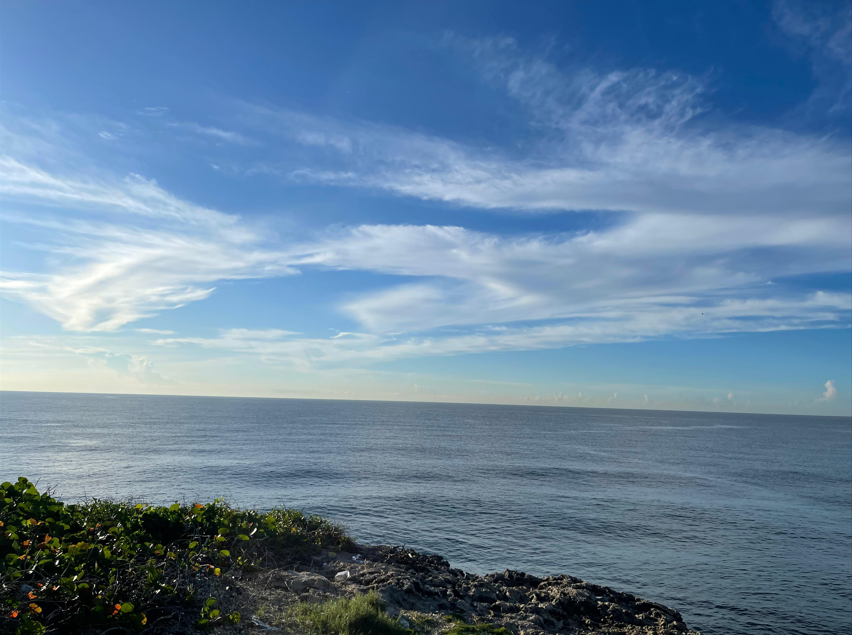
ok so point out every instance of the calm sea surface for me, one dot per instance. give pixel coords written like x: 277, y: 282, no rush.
x: 741, y: 522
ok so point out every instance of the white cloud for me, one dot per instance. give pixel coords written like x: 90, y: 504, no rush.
x: 823, y: 32
x: 473, y: 278
x: 629, y: 140
x: 730, y: 396
x: 46, y: 353
x: 830, y: 391
x: 211, y: 131
x: 132, y: 195
x: 634, y: 325
x: 153, y: 111
x: 136, y: 366
x: 154, y: 331
x: 823, y: 27
x: 139, y: 250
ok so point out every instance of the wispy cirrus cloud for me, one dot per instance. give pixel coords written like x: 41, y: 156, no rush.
x: 823, y: 32
x: 824, y: 27
x: 153, y: 111
x: 132, y: 195
x: 468, y: 278
x: 634, y: 140
x: 638, y: 324
x: 130, y: 249
x: 211, y: 131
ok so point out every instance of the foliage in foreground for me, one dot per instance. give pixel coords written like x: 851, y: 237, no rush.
x: 360, y: 615
x: 119, y: 565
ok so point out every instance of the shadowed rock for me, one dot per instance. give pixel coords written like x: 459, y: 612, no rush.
x: 522, y: 603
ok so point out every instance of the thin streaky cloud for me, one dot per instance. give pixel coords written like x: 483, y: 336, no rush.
x: 212, y: 131
x: 117, y: 266
x: 823, y: 32
x: 473, y: 278
x: 823, y: 27
x: 133, y: 194
x: 153, y: 111
x: 631, y: 140
x: 634, y: 326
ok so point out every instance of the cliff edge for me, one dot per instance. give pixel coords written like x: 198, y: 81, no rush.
x: 424, y: 591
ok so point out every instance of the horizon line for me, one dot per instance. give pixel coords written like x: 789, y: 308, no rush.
x: 455, y: 403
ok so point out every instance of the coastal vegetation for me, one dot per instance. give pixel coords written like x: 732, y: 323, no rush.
x: 68, y: 567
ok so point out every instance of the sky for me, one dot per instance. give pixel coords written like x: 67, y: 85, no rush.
x: 621, y: 204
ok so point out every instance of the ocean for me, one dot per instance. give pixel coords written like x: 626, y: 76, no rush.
x: 741, y: 522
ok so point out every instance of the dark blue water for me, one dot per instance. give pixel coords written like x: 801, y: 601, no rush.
x: 741, y: 522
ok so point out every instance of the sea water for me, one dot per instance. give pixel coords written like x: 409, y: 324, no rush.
x: 743, y: 523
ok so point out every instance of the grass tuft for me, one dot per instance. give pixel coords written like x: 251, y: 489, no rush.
x: 361, y: 615
x: 460, y: 627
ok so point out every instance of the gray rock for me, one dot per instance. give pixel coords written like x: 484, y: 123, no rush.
x: 522, y: 603
x: 301, y: 581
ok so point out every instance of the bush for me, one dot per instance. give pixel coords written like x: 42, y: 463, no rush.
x: 101, y: 563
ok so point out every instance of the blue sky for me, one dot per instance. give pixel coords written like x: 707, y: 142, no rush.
x: 636, y: 205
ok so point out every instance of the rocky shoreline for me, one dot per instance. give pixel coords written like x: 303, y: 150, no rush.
x: 423, y: 590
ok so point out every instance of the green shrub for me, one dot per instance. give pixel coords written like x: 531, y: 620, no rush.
x: 109, y: 564
x: 361, y: 615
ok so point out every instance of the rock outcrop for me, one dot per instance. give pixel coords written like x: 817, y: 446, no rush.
x: 411, y: 582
